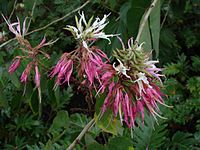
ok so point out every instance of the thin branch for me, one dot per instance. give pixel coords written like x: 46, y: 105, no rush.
x: 13, y: 10
x: 51, y: 23
x: 145, y: 18
x: 32, y: 12
x: 79, y: 137
x: 5, y: 43
x: 166, y: 14
x: 59, y: 19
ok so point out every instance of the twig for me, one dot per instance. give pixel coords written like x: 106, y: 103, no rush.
x: 13, y: 10
x: 59, y: 136
x: 59, y: 19
x: 165, y: 17
x: 5, y: 43
x: 53, y: 22
x: 143, y: 22
x: 79, y: 137
x: 32, y: 12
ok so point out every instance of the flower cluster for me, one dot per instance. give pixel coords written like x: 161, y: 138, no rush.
x: 88, y: 31
x: 86, y: 60
x: 131, y: 85
x: 15, y: 27
x: 29, y: 52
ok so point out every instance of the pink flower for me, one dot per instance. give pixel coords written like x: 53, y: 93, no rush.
x: 16, y: 27
x: 41, y: 43
x: 90, y: 64
x: 129, y: 93
x: 37, y: 77
x: 120, y: 102
x: 153, y: 70
x: 107, y: 73
x: 15, y: 64
x: 64, y: 69
x: 26, y: 72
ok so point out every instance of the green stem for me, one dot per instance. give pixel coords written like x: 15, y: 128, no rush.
x: 80, y: 136
x: 40, y: 102
x: 144, y: 20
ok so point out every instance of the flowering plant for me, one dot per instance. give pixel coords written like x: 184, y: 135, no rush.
x: 129, y: 83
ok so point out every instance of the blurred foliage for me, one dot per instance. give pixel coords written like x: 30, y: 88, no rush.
x: 172, y: 31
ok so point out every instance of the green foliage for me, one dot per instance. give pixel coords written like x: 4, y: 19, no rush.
x: 172, y: 31
x: 130, y: 15
x: 179, y: 68
x: 149, y: 134
x: 107, y: 122
x: 193, y: 85
x: 180, y: 141
x: 196, y: 63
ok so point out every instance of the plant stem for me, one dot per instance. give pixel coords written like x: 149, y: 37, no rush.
x: 31, y: 16
x: 79, y: 137
x: 13, y: 10
x: 59, y: 19
x: 40, y: 102
x: 166, y: 14
x: 144, y: 20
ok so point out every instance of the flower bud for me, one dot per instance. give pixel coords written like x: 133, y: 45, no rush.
x: 37, y: 76
x: 14, y: 65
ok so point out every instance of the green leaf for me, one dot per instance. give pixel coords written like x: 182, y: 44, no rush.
x: 33, y: 101
x: 119, y: 143
x: 146, y: 37
x: 151, y: 31
x: 60, y: 123
x: 148, y: 134
x: 193, y: 84
x: 15, y: 80
x: 196, y: 63
x: 135, y: 14
x: 109, y: 124
x: 172, y: 69
x: 89, y: 139
x: 16, y: 101
x: 181, y: 141
x: 49, y: 145
x: 155, y: 27
x: 112, y: 3
x: 96, y: 146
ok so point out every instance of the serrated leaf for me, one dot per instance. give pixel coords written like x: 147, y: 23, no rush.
x: 196, y: 63
x: 171, y: 69
x: 148, y: 135
x: 193, y: 84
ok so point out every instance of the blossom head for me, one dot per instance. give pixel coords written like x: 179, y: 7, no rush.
x: 15, y: 27
x: 26, y: 73
x: 87, y: 31
x: 15, y: 64
x: 63, y: 70
x: 130, y: 85
x: 90, y: 64
x: 37, y: 76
